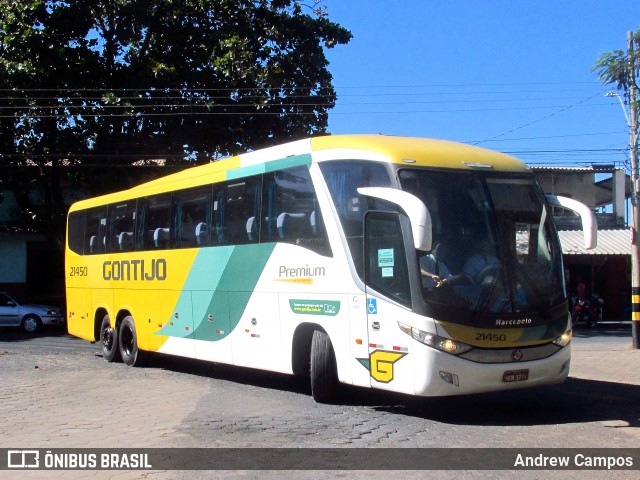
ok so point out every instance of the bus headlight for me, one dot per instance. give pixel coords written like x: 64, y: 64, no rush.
x: 564, y: 339
x: 435, y: 341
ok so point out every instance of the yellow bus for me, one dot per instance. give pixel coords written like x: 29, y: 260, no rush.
x: 414, y: 265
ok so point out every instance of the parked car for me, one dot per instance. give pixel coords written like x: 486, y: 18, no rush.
x: 30, y: 317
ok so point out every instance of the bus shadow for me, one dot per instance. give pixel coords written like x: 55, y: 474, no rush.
x: 575, y: 401
x: 231, y: 373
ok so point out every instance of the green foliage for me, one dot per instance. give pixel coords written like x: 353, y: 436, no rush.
x: 613, y: 68
x: 99, y: 84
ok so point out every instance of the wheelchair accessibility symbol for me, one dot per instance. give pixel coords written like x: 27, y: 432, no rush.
x: 372, y: 306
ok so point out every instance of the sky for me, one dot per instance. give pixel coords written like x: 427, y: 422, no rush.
x: 513, y: 76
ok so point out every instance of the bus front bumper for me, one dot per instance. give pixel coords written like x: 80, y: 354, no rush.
x: 452, y: 375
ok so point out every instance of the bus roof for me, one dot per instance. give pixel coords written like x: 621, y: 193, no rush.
x: 422, y: 151
x: 397, y: 150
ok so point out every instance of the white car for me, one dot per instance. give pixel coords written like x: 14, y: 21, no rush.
x: 29, y: 317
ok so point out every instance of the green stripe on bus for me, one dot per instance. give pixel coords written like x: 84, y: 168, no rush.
x: 289, y: 162
x: 215, y: 274
x: 293, y: 161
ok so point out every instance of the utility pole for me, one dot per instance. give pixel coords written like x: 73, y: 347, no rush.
x: 635, y: 208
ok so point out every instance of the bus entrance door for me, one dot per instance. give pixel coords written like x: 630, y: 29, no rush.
x: 387, y: 275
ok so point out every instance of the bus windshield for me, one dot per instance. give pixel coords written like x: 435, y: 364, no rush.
x: 495, y: 249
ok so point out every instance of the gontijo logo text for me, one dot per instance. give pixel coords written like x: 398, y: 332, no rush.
x: 126, y: 270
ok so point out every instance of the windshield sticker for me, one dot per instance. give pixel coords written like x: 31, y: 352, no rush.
x: 387, y: 272
x: 314, y: 307
x: 385, y: 257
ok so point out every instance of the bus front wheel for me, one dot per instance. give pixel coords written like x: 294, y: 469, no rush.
x: 324, y: 374
x: 128, y: 343
x: 109, y: 341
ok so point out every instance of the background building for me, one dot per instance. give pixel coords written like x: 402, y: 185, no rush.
x: 606, y: 270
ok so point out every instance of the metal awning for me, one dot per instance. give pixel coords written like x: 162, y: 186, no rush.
x: 610, y: 242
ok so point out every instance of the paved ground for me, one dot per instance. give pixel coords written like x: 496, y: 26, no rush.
x: 56, y: 393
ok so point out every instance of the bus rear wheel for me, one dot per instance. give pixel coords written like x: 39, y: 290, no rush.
x: 128, y: 343
x: 109, y: 341
x: 324, y: 373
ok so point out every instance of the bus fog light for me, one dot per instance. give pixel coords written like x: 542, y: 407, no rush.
x: 451, y: 378
x: 435, y: 341
x: 564, y: 339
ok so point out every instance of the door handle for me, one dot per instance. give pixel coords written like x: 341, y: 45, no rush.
x: 375, y: 325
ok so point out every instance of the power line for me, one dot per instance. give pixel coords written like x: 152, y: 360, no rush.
x: 285, y: 109
x: 540, y: 119
x: 558, y: 136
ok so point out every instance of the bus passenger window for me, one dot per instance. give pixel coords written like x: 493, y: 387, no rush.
x: 290, y: 211
x: 343, y: 179
x: 191, y: 216
x: 156, y: 221
x: 237, y: 212
x: 96, y: 231
x: 75, y: 227
x: 121, y: 226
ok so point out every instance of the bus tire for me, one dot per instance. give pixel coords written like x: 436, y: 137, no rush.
x: 324, y: 374
x: 109, y: 341
x: 128, y: 343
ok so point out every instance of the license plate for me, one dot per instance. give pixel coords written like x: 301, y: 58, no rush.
x: 515, y: 376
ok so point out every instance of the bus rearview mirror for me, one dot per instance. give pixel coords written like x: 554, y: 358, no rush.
x: 589, y: 222
x: 413, y: 207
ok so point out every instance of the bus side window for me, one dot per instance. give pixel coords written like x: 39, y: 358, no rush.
x: 76, y: 225
x: 236, y: 204
x: 191, y: 217
x: 158, y: 222
x: 292, y: 213
x: 96, y: 230
x: 343, y: 180
x: 121, y: 226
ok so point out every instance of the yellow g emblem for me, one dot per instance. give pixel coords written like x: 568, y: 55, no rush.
x: 380, y: 364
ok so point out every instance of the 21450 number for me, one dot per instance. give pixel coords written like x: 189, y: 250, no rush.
x: 491, y: 337
x: 78, y: 271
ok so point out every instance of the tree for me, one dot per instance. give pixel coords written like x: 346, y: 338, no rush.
x: 614, y: 67
x: 88, y: 87
x: 622, y: 69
